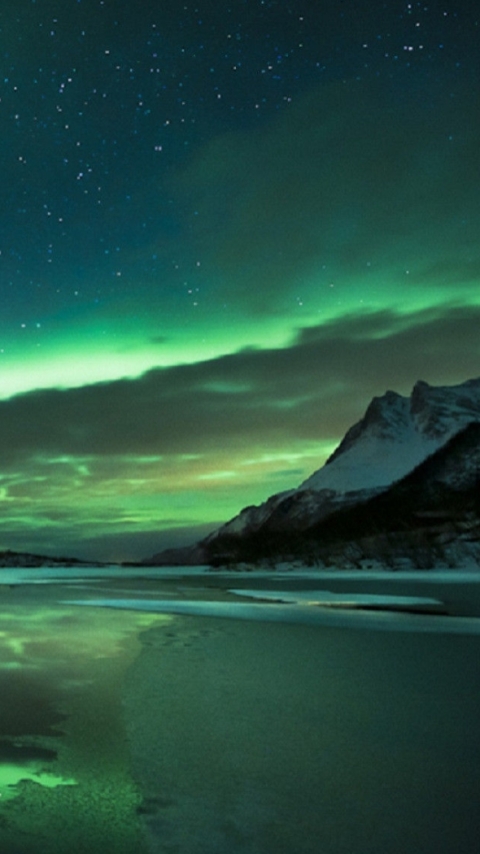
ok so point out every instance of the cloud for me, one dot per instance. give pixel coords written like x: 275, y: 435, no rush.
x: 349, y: 174
x: 262, y: 398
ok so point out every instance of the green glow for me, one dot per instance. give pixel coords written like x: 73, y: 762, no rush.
x: 84, y: 357
x: 111, y: 342
x: 218, y: 475
x: 11, y: 774
x: 62, y: 497
x: 317, y: 452
x: 76, y: 663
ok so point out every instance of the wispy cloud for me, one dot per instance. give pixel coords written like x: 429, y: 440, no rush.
x: 352, y: 174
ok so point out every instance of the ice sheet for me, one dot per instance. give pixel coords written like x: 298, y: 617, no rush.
x: 294, y: 613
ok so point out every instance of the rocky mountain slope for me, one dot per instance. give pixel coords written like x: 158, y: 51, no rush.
x: 392, y: 458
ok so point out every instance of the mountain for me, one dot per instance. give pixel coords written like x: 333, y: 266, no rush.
x: 399, y: 442
x: 429, y: 518
x: 396, y: 434
x: 26, y: 560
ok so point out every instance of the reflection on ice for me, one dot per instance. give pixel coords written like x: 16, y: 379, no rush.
x: 11, y: 774
x: 295, y: 613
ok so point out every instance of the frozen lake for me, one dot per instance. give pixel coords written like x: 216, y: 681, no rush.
x: 143, y: 710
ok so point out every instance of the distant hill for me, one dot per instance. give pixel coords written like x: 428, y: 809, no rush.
x: 26, y: 560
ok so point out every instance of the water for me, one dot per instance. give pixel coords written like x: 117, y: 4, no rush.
x: 174, y: 720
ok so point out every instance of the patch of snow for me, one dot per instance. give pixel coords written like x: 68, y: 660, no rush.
x: 373, y: 462
x: 396, y: 434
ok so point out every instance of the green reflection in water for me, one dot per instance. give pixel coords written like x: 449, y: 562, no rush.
x: 61, y: 681
x: 11, y: 774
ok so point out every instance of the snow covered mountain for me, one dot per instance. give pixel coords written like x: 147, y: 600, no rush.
x: 395, y: 436
x: 429, y: 518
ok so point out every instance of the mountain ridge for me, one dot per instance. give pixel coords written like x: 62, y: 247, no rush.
x: 396, y: 437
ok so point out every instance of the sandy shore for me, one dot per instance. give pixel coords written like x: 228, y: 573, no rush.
x: 273, y: 739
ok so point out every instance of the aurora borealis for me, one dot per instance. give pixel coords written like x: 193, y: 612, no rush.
x: 224, y: 228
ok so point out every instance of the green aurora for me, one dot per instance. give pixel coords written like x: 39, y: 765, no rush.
x: 200, y: 295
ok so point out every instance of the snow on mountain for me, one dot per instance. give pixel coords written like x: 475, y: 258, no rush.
x: 396, y: 434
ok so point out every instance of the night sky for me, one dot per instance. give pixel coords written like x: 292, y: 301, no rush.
x: 225, y: 226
